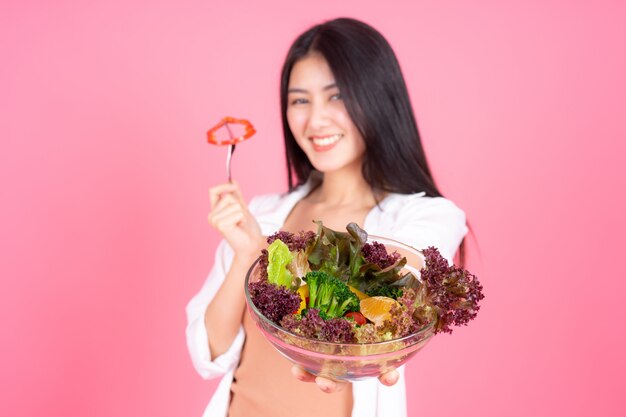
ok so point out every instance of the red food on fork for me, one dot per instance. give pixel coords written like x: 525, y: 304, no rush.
x: 249, y: 131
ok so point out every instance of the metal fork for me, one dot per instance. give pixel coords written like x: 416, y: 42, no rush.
x: 231, y: 150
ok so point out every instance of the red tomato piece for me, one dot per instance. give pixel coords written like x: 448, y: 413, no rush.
x: 357, y: 317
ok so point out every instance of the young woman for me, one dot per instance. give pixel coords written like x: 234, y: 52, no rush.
x: 353, y: 155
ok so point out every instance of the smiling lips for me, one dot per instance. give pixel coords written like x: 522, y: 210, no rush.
x: 324, y: 143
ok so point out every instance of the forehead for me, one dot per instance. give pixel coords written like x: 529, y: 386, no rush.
x: 311, y: 72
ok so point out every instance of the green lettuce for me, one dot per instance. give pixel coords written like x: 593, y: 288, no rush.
x: 279, y: 257
x: 340, y: 254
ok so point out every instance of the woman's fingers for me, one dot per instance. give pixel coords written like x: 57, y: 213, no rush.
x: 226, y: 219
x: 219, y: 191
x: 231, y: 217
x: 329, y: 386
x: 218, y: 194
x: 302, y: 375
x: 389, y: 378
x: 324, y: 384
x: 225, y: 206
x: 237, y: 192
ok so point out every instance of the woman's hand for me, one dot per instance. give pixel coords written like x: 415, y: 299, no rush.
x: 330, y: 386
x: 230, y: 216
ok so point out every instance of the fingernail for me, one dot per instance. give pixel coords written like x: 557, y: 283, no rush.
x: 295, y: 371
x: 328, y: 386
x: 392, y: 379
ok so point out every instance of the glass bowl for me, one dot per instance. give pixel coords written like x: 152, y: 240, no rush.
x: 344, y: 361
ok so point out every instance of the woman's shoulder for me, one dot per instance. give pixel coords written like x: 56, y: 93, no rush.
x: 419, y: 205
x: 422, y: 221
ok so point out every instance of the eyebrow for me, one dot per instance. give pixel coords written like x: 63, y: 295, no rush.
x: 302, y: 90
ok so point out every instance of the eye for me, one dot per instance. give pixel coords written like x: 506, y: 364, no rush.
x: 337, y: 96
x: 297, y: 101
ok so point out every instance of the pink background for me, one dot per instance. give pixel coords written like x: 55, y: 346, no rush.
x: 105, y: 172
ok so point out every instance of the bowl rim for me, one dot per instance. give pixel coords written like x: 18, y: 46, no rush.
x: 258, y: 314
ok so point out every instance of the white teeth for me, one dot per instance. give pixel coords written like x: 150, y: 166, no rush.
x: 328, y: 140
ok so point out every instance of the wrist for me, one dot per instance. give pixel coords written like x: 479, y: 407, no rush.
x: 246, y: 258
x: 243, y: 261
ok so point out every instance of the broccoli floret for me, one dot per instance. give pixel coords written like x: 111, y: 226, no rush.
x: 330, y: 295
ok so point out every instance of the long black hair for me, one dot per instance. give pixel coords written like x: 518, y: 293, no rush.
x: 368, y: 76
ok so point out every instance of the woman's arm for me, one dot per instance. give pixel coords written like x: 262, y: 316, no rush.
x: 224, y: 314
x: 230, y: 216
x: 196, y: 333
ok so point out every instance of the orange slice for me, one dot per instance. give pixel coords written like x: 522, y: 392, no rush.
x: 376, y: 309
x: 358, y: 293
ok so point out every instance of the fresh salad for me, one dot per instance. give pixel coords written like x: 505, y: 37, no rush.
x: 338, y: 287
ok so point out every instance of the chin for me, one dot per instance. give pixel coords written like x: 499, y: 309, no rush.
x: 329, y: 166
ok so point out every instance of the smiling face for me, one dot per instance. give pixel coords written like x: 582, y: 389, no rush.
x: 318, y: 118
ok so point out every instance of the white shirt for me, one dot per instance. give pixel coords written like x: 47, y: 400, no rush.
x: 414, y: 219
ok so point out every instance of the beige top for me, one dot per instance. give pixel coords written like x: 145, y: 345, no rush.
x: 264, y: 386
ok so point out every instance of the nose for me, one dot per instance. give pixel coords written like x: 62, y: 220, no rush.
x: 319, y: 116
